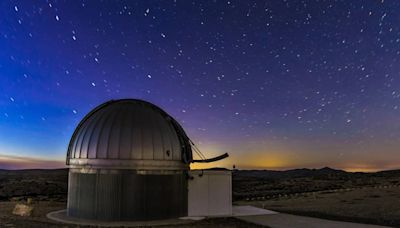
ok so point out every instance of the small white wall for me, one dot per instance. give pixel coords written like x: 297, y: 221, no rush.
x: 210, y: 193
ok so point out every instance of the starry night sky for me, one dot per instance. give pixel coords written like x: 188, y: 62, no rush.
x: 277, y: 84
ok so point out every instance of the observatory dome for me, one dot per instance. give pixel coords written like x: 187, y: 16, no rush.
x: 128, y: 161
x: 132, y: 134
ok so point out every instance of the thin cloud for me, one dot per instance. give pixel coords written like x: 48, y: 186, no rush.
x: 16, y: 162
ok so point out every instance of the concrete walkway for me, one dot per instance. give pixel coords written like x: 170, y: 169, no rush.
x: 250, y: 211
x: 62, y: 217
x: 281, y: 220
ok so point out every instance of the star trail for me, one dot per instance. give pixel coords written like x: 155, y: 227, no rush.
x: 277, y: 84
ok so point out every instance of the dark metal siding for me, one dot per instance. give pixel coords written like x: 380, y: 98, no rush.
x: 127, y: 196
x: 85, y: 194
x: 108, y: 198
x: 72, y: 202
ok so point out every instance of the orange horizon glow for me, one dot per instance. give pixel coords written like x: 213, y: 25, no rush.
x: 347, y: 169
x: 253, y: 162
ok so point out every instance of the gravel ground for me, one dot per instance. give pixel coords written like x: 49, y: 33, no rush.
x: 41, y: 208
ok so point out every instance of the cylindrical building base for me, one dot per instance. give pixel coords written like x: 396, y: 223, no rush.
x: 126, y: 195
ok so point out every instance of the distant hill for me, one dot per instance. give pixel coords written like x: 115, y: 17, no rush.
x: 304, y: 172
x: 255, y: 183
x: 39, y: 183
x: 293, y: 173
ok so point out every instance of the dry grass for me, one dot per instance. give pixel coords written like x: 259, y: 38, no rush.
x: 368, y: 205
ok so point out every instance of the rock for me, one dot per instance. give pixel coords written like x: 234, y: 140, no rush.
x: 22, y: 210
x: 16, y: 198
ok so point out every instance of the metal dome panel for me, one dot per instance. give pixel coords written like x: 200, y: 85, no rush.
x: 131, y: 132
